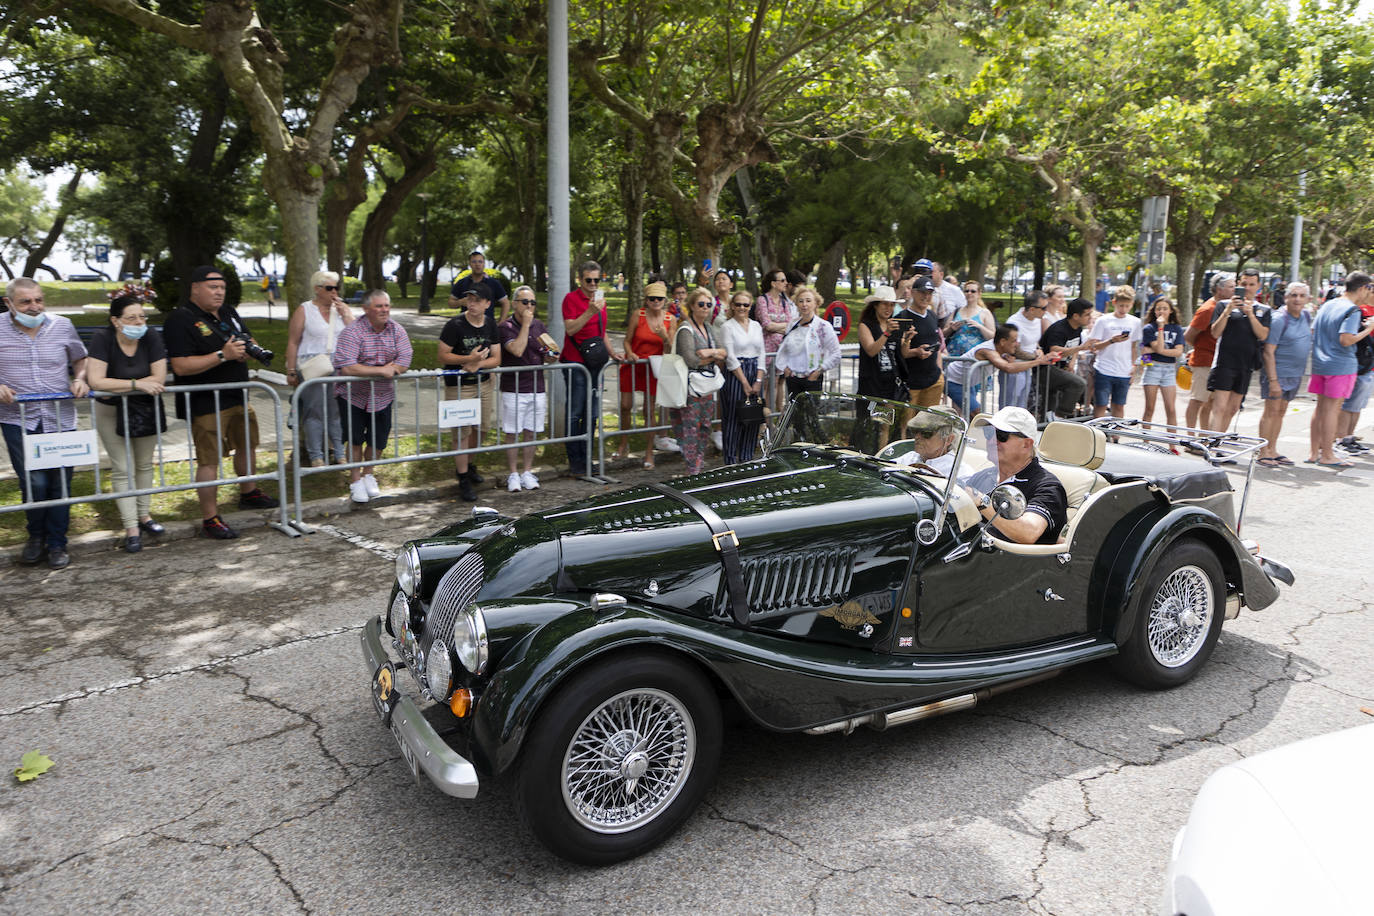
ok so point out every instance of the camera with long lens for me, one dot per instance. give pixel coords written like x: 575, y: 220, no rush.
x: 261, y: 354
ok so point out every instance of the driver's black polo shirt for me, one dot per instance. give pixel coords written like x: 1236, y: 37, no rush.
x: 1045, y: 497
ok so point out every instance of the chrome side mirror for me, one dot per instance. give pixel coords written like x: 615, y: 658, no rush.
x: 766, y: 437
x: 1007, y: 502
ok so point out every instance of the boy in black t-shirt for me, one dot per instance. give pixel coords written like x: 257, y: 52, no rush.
x: 470, y: 342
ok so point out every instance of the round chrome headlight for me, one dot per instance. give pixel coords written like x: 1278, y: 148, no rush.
x: 398, y: 618
x: 439, y: 671
x: 408, y: 570
x: 470, y: 639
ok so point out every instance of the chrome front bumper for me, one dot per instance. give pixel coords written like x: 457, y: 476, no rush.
x: 421, y: 745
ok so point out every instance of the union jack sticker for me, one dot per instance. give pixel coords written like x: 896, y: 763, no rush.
x: 904, y: 642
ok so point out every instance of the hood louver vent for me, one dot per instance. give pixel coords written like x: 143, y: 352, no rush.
x: 454, y: 592
x: 806, y: 580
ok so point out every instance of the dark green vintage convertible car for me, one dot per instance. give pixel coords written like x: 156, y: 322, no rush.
x: 843, y: 580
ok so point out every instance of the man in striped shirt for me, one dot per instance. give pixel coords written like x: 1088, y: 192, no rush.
x: 377, y: 349
x: 39, y: 354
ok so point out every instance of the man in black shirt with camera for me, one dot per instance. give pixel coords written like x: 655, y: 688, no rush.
x: 208, y: 344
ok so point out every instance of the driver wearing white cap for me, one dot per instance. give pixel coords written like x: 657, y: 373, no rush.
x: 1017, y: 466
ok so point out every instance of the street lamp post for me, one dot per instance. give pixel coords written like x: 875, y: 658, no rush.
x: 424, y: 253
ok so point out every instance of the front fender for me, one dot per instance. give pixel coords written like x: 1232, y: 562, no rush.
x: 1154, y: 535
x: 532, y: 669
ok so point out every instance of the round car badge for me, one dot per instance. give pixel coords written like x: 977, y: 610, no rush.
x: 926, y: 532
x: 837, y: 314
x: 652, y: 588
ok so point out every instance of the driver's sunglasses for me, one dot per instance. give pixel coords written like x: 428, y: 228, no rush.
x: 1004, y: 436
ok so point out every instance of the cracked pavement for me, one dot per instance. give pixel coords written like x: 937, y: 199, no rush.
x: 215, y: 749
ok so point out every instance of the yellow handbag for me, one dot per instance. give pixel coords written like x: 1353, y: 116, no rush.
x: 1185, y: 376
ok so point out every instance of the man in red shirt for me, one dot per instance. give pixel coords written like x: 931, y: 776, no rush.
x: 1199, y: 337
x: 584, y: 319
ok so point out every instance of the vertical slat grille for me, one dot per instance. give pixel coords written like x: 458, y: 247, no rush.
x: 455, y: 591
x: 806, y: 580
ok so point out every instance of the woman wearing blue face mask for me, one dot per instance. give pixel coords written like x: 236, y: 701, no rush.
x: 130, y: 357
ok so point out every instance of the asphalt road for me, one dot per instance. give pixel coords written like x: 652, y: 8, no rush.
x: 215, y: 750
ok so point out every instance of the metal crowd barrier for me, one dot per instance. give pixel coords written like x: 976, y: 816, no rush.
x: 165, y: 444
x: 416, y: 407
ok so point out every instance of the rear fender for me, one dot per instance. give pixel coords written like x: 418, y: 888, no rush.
x: 1152, y: 537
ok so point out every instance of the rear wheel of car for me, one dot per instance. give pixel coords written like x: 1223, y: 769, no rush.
x: 619, y: 758
x: 1178, y: 618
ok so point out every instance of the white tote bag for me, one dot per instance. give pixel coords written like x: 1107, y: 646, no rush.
x: 671, y: 371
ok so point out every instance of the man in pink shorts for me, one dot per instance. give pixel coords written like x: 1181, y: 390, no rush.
x: 1336, y: 330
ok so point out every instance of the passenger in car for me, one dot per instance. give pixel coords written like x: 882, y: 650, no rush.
x: 1018, y: 466
x: 933, y: 435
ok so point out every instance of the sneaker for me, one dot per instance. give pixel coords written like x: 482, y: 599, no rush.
x: 215, y: 528
x: 57, y: 558
x: 33, y: 552
x: 529, y: 481
x: 513, y: 483
x: 357, y: 491
x: 718, y: 441
x: 257, y: 500
x: 133, y: 544
x: 666, y: 444
x: 465, y: 490
x: 373, y: 491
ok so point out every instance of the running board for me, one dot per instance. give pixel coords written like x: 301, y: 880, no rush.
x: 882, y: 721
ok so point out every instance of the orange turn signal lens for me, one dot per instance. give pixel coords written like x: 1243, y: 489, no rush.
x: 906, y: 612
x: 461, y: 702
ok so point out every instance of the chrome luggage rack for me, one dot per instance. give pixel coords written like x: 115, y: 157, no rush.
x: 1217, y: 448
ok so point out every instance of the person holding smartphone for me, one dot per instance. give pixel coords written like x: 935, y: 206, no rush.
x: 921, y: 345
x: 1116, y: 360
x: 1240, y: 327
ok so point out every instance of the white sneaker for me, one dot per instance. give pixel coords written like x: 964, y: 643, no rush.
x: 666, y: 444
x: 529, y: 481
x: 718, y: 441
x: 358, y: 490
x: 373, y: 491
x: 513, y: 483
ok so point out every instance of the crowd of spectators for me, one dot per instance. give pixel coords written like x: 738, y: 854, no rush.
x: 922, y: 339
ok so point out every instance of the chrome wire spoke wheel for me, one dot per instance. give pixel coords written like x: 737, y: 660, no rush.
x: 1180, y: 616
x: 628, y: 760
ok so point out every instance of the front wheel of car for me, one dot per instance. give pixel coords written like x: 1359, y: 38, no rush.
x: 619, y: 758
x: 1177, y: 620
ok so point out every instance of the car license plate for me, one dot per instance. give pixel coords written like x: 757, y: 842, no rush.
x: 406, y: 752
x: 384, y: 693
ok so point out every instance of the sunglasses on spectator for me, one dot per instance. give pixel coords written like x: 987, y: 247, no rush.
x: 741, y: 305
x: 329, y: 288
x: 524, y: 302
x: 655, y: 299
x: 592, y: 280
x: 971, y: 289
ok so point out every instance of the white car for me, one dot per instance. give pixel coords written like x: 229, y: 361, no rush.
x: 1287, y: 831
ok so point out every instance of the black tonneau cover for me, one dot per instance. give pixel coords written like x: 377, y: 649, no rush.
x: 1177, y: 476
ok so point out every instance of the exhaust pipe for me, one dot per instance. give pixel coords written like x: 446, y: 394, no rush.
x: 881, y: 721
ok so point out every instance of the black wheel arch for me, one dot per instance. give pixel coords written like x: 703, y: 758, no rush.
x: 533, y: 671
x: 1124, y: 575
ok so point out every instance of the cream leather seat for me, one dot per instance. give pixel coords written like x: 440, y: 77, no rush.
x: 1072, y: 452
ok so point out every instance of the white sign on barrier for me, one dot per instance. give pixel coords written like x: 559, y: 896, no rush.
x: 464, y: 412
x: 55, y: 450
